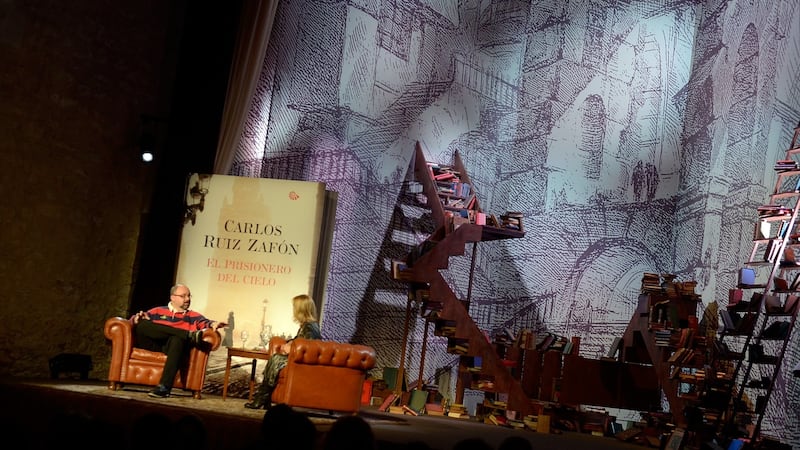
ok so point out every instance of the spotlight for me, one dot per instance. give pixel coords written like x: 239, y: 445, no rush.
x: 148, y: 137
x: 147, y: 145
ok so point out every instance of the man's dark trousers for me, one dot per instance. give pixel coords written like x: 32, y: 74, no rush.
x: 172, y: 341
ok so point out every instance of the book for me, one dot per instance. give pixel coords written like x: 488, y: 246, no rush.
x: 795, y: 282
x: 400, y: 271
x: 734, y: 296
x: 772, y: 304
x: 789, y: 258
x: 676, y: 356
x: 458, y: 410
x: 747, y: 323
x: 755, y: 301
x: 417, y: 399
x: 444, y: 176
x: 612, y: 351
x: 772, y: 249
x: 434, y: 409
x: 762, y: 230
x: 685, y: 338
x: 693, y: 323
x: 727, y: 320
x: 395, y: 379
x: 780, y: 284
x: 747, y: 276
x: 407, y: 410
x: 776, y: 330
x: 390, y: 400
x: 546, y: 342
x: 675, y: 441
x: 512, y: 221
x: 791, y: 304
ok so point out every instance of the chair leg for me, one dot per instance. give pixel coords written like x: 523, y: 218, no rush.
x: 196, y: 395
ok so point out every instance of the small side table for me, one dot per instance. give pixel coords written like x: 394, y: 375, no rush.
x: 244, y: 353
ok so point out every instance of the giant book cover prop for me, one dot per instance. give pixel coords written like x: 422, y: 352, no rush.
x: 248, y: 245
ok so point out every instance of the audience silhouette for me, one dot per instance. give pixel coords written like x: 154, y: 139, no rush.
x: 472, y: 444
x: 285, y: 428
x: 151, y: 430
x: 190, y: 433
x: 74, y: 429
x: 515, y: 443
x: 349, y: 433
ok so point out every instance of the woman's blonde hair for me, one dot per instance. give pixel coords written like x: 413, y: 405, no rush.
x: 303, y: 308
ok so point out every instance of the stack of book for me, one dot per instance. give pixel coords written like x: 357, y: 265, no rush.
x: 401, y: 271
x: 662, y: 337
x: 483, y: 384
x: 454, y: 188
x: 513, y: 423
x: 446, y: 328
x: 506, y: 337
x: 457, y: 346
x: 512, y: 221
x: 458, y: 410
x: 441, y: 172
x: 686, y: 288
x: 651, y: 282
x: 434, y: 409
x: 772, y: 210
x: 681, y: 356
x: 782, y: 165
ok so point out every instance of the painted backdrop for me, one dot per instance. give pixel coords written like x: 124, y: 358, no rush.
x: 634, y: 136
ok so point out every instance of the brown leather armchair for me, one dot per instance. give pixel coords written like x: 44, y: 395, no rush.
x: 133, y: 365
x: 322, y: 375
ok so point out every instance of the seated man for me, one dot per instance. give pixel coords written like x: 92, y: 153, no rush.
x: 171, y: 329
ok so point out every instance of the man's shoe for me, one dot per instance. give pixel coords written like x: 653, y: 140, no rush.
x: 196, y: 337
x: 159, y: 392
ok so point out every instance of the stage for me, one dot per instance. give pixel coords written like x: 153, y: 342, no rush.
x: 34, y: 410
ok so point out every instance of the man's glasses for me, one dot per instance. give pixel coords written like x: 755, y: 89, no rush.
x: 183, y: 295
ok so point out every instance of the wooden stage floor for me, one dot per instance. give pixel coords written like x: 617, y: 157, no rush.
x: 35, y: 410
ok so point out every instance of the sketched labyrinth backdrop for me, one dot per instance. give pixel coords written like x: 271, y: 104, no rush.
x: 634, y: 136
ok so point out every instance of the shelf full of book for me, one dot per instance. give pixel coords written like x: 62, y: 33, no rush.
x: 453, y: 200
x: 766, y: 321
x: 665, y: 333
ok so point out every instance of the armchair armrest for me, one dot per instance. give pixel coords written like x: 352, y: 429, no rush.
x: 212, y: 338
x: 120, y: 332
x: 275, y: 343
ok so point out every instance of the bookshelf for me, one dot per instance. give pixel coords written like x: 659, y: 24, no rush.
x: 664, y: 336
x: 765, y: 322
x: 450, y: 210
x: 460, y: 221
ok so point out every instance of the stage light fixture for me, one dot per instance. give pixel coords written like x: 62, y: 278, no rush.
x: 148, y: 137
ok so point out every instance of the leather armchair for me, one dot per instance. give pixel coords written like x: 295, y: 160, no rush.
x: 132, y: 365
x: 323, y: 375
